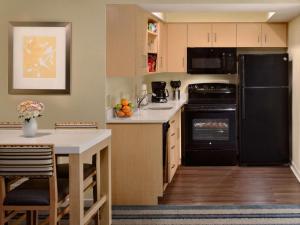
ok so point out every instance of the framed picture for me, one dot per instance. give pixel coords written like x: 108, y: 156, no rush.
x: 39, y: 58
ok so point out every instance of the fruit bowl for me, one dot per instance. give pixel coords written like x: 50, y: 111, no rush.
x: 124, y: 109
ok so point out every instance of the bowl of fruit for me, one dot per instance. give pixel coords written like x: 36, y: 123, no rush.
x: 124, y: 109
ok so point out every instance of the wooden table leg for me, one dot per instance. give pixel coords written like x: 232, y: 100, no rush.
x: 105, y: 174
x: 76, y: 189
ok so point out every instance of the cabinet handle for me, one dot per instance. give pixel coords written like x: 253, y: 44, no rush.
x: 172, y: 147
x: 258, y: 38
x: 173, y: 121
x: 216, y: 37
x: 183, y: 62
x: 265, y: 38
x: 208, y: 37
x: 172, y: 134
x: 173, y: 166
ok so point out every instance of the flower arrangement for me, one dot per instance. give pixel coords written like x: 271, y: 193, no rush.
x: 30, y: 109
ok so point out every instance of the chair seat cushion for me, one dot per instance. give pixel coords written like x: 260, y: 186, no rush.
x: 35, y: 192
x: 62, y: 170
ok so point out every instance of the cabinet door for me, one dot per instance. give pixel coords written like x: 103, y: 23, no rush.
x: 141, y: 42
x: 249, y: 35
x: 120, y: 50
x: 162, y: 48
x: 224, y: 34
x: 177, y: 44
x: 172, y: 151
x: 199, y: 35
x: 274, y: 35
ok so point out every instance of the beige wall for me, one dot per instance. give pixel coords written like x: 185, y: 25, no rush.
x: 87, y: 98
x: 294, y: 51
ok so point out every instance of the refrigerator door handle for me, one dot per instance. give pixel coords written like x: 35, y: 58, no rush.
x: 242, y: 68
x: 243, y: 104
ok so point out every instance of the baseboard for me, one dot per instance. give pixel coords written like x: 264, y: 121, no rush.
x: 296, y: 171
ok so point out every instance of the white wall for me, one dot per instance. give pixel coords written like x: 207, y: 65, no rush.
x: 294, y: 52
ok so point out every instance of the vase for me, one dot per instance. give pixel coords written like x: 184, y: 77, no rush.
x: 30, y: 128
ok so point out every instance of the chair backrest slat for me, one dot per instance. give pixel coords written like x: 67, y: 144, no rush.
x: 76, y: 125
x: 26, y: 160
x: 10, y: 125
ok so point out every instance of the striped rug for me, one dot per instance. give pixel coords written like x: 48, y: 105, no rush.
x: 207, y: 215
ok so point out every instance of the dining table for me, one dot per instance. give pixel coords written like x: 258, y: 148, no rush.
x: 80, y: 145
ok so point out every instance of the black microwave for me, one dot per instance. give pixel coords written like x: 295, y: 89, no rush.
x: 211, y: 60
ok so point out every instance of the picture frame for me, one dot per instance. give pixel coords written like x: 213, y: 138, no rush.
x: 39, y: 58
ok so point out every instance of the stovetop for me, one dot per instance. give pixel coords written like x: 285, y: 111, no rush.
x: 212, y: 93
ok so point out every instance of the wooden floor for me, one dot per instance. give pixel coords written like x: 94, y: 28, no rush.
x: 233, y: 185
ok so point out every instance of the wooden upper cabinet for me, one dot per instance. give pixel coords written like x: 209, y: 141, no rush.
x: 224, y: 34
x: 141, y: 42
x: 120, y: 36
x: 274, y: 35
x: 249, y: 35
x: 177, y: 44
x: 126, y: 36
x: 199, y: 35
x: 162, y: 49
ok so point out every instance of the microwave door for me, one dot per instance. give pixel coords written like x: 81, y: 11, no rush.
x: 204, y: 61
x: 211, y: 60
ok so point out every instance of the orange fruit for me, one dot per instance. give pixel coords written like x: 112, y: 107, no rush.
x: 124, y: 102
x: 128, y: 114
x: 120, y: 114
x: 126, y: 109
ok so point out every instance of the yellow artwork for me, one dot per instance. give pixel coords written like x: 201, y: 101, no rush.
x: 39, y: 57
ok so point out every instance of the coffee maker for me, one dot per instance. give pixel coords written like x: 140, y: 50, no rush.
x: 159, y: 92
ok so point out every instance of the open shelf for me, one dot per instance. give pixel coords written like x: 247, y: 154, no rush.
x: 152, y: 41
x: 152, y: 33
x: 152, y: 62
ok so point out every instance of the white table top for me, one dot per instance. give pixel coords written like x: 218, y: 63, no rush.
x: 148, y: 115
x: 65, y: 141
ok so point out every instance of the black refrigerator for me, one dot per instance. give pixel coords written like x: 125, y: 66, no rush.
x: 264, y: 109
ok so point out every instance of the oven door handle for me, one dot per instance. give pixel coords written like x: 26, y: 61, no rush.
x: 209, y: 110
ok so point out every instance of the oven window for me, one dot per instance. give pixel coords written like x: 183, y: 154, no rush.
x: 210, y: 129
x: 206, y: 63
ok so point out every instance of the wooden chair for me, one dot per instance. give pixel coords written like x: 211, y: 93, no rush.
x: 10, y: 125
x: 11, y: 182
x: 42, y: 190
x: 89, y: 169
x: 76, y: 125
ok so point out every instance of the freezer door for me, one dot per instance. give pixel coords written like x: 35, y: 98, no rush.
x: 264, y: 70
x: 264, y: 126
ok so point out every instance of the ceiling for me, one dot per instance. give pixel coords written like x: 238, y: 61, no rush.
x: 284, y: 12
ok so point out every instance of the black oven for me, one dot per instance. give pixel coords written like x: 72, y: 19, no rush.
x: 209, y: 125
x: 210, y: 136
x: 211, y: 61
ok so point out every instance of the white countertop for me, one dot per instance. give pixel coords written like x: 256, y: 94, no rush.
x: 148, y: 115
x: 64, y: 141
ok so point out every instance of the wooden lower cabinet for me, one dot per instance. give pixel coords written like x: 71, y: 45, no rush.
x: 137, y: 161
x: 173, y: 146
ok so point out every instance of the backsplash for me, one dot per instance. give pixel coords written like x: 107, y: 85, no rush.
x: 187, y: 79
x: 129, y: 87
x: 122, y: 87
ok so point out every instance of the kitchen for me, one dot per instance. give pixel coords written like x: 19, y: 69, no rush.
x: 170, y: 112
x: 232, y: 106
